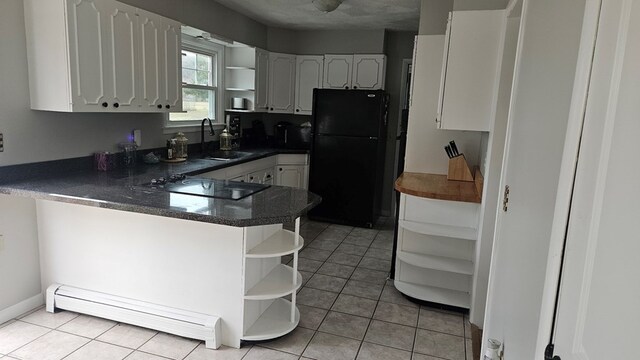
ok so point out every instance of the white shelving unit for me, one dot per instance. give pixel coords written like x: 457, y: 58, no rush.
x: 240, y: 76
x: 436, y: 247
x: 267, y: 315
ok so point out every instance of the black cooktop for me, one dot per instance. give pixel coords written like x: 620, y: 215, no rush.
x: 220, y: 189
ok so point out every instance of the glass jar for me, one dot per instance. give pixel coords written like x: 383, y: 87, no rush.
x: 181, y: 146
x: 128, y: 154
x: 225, y: 140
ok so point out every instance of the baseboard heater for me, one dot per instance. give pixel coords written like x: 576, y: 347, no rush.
x: 157, y: 317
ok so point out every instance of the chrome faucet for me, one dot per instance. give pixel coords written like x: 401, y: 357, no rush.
x: 203, y: 146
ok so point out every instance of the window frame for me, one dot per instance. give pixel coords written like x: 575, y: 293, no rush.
x: 204, y: 47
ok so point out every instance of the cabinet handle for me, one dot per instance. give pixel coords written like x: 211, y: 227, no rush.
x: 116, y: 105
x: 168, y: 106
x: 159, y: 106
x: 104, y: 104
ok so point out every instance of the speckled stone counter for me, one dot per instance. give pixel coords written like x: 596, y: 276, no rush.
x: 122, y: 190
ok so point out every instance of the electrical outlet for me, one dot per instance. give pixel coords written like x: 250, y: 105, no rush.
x: 1, y: 142
x: 137, y: 137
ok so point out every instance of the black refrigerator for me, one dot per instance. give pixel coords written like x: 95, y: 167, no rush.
x: 347, y: 155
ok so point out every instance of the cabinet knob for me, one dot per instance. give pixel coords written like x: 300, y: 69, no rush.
x: 280, y: 169
x: 297, y: 110
x: 116, y: 105
x: 355, y: 87
x: 271, y: 109
x: 159, y: 106
x: 104, y: 104
x: 346, y: 87
x: 168, y: 106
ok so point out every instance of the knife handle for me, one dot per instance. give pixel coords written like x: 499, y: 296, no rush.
x: 447, y: 149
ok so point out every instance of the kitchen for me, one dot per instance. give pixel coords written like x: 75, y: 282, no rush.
x: 46, y: 136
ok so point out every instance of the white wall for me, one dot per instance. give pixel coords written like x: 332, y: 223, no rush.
x: 492, y: 170
x: 19, y: 260
x: 550, y: 41
x: 425, y: 143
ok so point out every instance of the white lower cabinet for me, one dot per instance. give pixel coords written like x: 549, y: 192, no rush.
x: 284, y: 170
x: 436, y: 249
x: 267, y: 315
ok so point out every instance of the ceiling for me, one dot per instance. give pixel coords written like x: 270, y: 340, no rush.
x: 352, y: 14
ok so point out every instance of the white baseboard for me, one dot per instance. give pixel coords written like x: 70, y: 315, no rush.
x: 20, y: 308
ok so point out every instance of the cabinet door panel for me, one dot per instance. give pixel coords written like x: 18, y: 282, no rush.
x: 290, y: 175
x: 309, y: 71
x: 123, y: 27
x: 171, y: 34
x: 282, y: 72
x: 471, y: 71
x: 368, y: 72
x: 87, y: 21
x: 337, y: 71
x: 262, y: 80
x: 152, y: 61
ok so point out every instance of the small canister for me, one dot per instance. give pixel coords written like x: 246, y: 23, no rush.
x: 128, y: 153
x: 181, y: 146
x: 225, y: 140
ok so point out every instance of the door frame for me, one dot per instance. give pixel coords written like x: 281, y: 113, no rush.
x: 568, y: 168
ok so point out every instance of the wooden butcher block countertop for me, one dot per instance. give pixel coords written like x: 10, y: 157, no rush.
x: 435, y: 186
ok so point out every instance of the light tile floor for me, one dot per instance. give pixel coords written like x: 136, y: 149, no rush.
x: 349, y: 310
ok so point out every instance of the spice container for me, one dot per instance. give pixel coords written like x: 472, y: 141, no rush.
x: 181, y: 146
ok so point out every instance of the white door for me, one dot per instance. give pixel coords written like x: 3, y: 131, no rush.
x: 337, y: 71
x: 282, y: 73
x: 262, y: 80
x: 599, y: 295
x: 151, y: 61
x: 89, y: 55
x: 172, y: 74
x: 308, y: 77
x: 124, y: 40
x: 368, y: 72
x: 290, y: 175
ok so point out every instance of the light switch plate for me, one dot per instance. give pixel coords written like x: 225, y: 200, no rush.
x: 1, y: 243
x: 137, y: 137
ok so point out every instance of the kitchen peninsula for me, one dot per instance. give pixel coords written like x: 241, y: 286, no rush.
x: 199, y: 267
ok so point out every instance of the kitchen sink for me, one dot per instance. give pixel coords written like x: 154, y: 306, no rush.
x: 221, y: 155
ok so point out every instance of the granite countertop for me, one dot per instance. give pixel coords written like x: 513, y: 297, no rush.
x: 122, y: 190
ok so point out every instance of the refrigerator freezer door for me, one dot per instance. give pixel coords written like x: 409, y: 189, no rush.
x: 349, y: 112
x: 343, y: 172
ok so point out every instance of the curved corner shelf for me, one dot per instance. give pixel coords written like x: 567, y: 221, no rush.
x: 274, y: 322
x: 278, y: 283
x: 281, y: 243
x: 434, y: 262
x: 459, y: 232
x: 434, y: 294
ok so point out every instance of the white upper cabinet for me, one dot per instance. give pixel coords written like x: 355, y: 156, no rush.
x: 262, y: 80
x: 172, y: 73
x: 152, y: 50
x: 282, y: 74
x: 365, y: 72
x: 309, y: 71
x: 468, y: 87
x: 101, y: 56
x: 337, y: 71
x: 368, y: 72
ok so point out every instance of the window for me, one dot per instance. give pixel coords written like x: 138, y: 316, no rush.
x: 201, y: 64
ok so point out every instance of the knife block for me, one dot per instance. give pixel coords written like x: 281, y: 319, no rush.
x: 459, y: 169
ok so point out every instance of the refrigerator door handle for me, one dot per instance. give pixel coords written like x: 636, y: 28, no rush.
x: 373, y: 138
